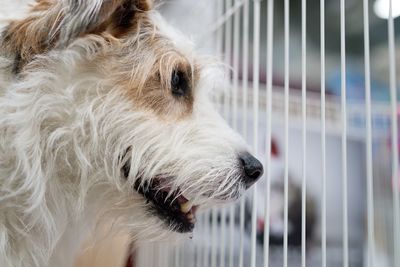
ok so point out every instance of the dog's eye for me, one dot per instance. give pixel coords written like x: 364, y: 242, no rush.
x: 179, y: 84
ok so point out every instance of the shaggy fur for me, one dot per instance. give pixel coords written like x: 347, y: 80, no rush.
x: 85, y: 88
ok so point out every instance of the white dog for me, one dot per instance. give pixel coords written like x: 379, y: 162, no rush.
x: 104, y: 114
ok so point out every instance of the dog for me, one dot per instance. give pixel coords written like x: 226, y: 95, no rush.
x: 105, y: 115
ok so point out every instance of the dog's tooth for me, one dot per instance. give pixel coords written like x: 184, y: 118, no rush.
x: 186, y: 207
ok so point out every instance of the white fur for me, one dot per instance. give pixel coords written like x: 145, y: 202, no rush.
x: 63, y: 130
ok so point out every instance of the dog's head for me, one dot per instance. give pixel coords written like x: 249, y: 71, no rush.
x: 124, y: 105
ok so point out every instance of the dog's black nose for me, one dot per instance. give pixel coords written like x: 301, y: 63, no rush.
x: 252, y: 168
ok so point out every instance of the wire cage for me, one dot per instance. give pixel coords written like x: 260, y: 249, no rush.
x: 313, y: 91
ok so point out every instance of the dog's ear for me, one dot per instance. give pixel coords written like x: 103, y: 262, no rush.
x: 93, y: 16
x: 56, y: 23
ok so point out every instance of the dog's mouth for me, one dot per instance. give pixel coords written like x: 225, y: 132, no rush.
x: 171, y: 206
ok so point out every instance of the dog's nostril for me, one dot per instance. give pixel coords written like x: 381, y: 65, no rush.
x: 252, y: 167
x: 255, y: 174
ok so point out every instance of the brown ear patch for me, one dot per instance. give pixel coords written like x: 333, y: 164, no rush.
x: 124, y: 18
x: 29, y: 37
x: 51, y: 24
x: 144, y: 5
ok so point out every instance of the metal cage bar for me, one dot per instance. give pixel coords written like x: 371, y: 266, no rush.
x: 245, y: 86
x: 344, y: 130
x: 394, y: 134
x: 368, y: 112
x: 323, y: 133
x: 286, y: 134
x: 256, y: 88
x: 270, y: 35
x: 304, y: 128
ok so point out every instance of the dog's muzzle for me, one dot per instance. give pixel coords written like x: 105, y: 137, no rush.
x: 178, y: 213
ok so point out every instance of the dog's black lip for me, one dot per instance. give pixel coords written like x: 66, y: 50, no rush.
x: 164, y: 205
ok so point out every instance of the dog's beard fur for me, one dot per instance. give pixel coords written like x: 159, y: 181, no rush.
x: 70, y: 125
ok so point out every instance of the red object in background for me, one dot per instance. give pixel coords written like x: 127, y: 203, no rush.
x: 274, y: 148
x: 260, y: 225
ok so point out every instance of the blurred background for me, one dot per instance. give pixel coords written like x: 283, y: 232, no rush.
x: 220, y: 239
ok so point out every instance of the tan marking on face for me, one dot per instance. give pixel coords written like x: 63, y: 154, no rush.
x: 156, y: 94
x: 142, y: 65
x: 148, y: 83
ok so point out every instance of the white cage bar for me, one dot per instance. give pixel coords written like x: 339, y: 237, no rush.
x: 343, y: 76
x: 286, y: 142
x: 370, y: 193
x: 256, y: 73
x: 268, y: 125
x: 323, y: 133
x: 304, y: 128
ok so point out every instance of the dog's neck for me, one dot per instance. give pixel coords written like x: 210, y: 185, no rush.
x: 48, y: 201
